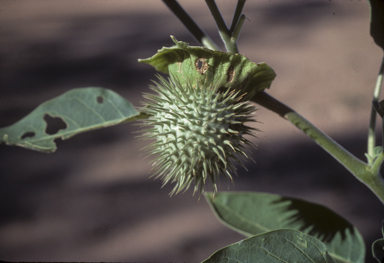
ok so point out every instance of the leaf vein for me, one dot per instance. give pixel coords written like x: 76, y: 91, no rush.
x: 91, y: 109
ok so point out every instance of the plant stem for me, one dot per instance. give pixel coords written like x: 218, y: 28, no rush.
x: 188, y: 22
x: 225, y: 34
x: 237, y: 14
x: 371, y: 144
x: 358, y: 168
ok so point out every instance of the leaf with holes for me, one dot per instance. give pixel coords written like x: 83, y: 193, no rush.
x: 74, y: 112
x: 284, y: 245
x: 207, y: 67
x: 256, y: 213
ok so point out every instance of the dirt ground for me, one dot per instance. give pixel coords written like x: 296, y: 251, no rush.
x: 93, y: 200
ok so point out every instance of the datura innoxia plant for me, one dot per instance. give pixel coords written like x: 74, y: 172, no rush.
x: 197, y: 116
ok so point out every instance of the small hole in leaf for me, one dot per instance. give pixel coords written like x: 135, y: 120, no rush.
x: 54, y: 124
x: 201, y: 65
x: 27, y: 135
x: 99, y: 99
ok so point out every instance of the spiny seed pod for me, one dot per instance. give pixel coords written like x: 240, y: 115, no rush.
x: 198, y: 132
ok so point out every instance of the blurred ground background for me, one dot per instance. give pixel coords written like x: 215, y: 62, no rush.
x: 92, y: 200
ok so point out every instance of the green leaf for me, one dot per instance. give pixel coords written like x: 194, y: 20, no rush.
x: 285, y: 245
x: 209, y: 67
x: 377, y: 22
x: 256, y: 213
x: 74, y: 112
x: 378, y: 247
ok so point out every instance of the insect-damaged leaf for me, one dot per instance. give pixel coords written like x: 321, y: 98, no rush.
x: 209, y: 67
x: 74, y: 112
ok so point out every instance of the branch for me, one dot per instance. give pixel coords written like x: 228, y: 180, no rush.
x: 237, y: 14
x: 225, y: 34
x: 191, y: 25
x: 362, y: 171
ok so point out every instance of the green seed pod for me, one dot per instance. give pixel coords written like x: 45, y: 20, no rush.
x: 198, y: 132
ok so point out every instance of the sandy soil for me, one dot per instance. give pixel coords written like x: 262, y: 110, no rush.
x: 92, y: 200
